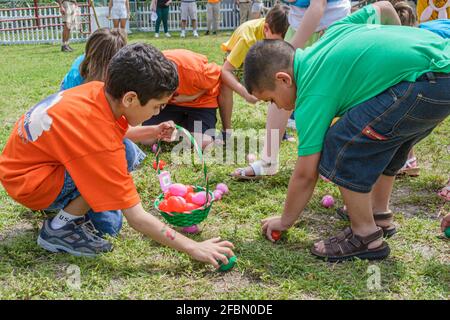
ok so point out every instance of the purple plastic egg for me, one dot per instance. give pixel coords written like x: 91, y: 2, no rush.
x: 192, y: 229
x: 217, y: 194
x: 154, y: 148
x: 222, y: 187
x: 199, y: 198
x: 327, y: 201
x: 178, y: 189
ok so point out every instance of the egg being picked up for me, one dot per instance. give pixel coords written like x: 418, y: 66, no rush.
x: 178, y: 189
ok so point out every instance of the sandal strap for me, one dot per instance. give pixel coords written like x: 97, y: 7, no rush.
x: 383, y: 215
x: 346, y: 242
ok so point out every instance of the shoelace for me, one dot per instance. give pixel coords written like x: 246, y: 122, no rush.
x: 90, y: 231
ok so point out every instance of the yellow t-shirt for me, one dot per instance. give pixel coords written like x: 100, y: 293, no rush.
x: 246, y: 35
x: 425, y: 12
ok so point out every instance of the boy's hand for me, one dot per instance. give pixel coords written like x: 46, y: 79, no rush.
x: 272, y: 224
x: 166, y: 131
x: 211, y: 250
x: 445, y: 223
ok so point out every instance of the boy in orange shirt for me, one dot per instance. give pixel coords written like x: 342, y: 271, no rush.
x: 67, y: 153
x: 198, y: 95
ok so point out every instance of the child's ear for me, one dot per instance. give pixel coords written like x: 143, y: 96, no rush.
x: 284, y: 77
x: 129, y: 98
x: 266, y: 30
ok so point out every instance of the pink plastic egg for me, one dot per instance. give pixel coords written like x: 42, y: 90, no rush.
x: 154, y: 148
x: 199, y: 198
x: 223, y: 188
x: 217, y: 194
x: 178, y: 189
x: 192, y: 229
x: 327, y: 201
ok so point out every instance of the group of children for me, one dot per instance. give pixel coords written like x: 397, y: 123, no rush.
x: 389, y: 85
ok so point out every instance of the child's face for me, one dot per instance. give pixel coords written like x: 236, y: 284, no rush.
x: 137, y: 113
x: 284, y: 93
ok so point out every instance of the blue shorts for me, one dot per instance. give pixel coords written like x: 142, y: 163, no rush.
x: 187, y: 117
x: 106, y: 222
x: 375, y: 137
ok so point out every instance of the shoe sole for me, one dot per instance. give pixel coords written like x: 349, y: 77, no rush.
x: 58, y: 248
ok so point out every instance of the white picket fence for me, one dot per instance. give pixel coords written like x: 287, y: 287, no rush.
x: 44, y: 25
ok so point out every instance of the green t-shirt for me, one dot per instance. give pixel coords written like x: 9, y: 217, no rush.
x: 356, y: 60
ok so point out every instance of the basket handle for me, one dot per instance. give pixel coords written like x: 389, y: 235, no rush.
x: 199, y: 153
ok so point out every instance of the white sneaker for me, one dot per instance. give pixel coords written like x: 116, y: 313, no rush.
x: 183, y: 34
x: 195, y: 33
x: 291, y: 124
x: 156, y: 35
x: 167, y: 35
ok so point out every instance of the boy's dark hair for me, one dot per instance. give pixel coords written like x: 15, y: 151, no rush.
x: 101, y: 46
x: 143, y: 69
x: 264, y: 60
x: 277, y: 19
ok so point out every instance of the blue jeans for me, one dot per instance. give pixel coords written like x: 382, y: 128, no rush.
x: 106, y: 222
x: 375, y: 137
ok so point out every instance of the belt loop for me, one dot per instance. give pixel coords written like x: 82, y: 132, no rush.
x: 431, y: 77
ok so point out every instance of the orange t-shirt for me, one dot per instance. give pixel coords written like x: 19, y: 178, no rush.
x: 196, y: 74
x: 74, y: 130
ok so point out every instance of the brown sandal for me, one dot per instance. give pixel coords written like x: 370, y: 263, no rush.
x: 346, y: 246
x: 387, y: 231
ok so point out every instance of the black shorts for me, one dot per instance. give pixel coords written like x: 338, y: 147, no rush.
x: 192, y: 119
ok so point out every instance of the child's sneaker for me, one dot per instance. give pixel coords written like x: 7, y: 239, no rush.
x: 156, y: 35
x: 78, y: 237
x: 167, y: 35
x: 183, y: 34
x: 291, y: 124
x: 195, y: 33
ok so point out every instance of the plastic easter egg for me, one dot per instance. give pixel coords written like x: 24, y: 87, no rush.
x: 276, y: 235
x: 190, y: 189
x: 447, y: 232
x: 154, y: 148
x: 191, y: 206
x: 217, y: 194
x: 176, y: 204
x: 167, y: 195
x: 327, y: 201
x: 162, y: 164
x: 189, y: 196
x: 178, y: 189
x: 223, y: 187
x: 199, y: 198
x: 192, y: 229
x: 231, y: 262
x: 163, y: 206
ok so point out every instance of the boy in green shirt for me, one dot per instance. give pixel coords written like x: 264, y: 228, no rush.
x: 391, y: 87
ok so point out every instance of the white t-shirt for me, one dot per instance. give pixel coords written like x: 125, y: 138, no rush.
x: 333, y: 12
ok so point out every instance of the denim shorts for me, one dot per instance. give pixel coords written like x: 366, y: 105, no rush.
x: 375, y: 137
x: 106, y: 222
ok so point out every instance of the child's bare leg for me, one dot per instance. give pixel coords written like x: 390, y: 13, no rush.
x: 359, y: 206
x: 381, y: 193
x: 275, y: 127
x: 77, y: 207
x: 225, y: 105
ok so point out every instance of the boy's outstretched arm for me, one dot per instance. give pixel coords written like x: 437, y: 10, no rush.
x: 208, y: 251
x: 309, y: 24
x: 151, y: 134
x: 387, y: 13
x: 230, y: 80
x: 300, y: 190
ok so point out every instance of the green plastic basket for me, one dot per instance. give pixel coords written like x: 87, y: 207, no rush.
x: 187, y: 219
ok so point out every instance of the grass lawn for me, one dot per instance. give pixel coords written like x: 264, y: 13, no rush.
x: 138, y: 268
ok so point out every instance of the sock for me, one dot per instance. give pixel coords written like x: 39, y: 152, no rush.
x: 61, y: 219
